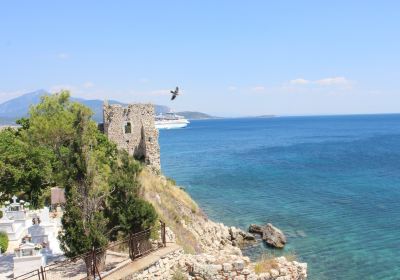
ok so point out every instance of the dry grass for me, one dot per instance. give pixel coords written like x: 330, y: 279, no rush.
x: 167, y: 189
x: 179, y: 275
x: 173, y: 205
x: 265, y: 264
x: 268, y: 262
x: 291, y: 256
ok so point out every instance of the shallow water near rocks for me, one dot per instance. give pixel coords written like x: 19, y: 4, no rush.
x: 332, y: 184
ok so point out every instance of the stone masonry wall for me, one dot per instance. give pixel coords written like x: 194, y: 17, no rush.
x: 205, y: 267
x: 163, y: 269
x: 133, y: 129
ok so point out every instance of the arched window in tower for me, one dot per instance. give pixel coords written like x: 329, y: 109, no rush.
x: 128, y: 128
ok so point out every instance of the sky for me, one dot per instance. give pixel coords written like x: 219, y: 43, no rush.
x: 230, y: 58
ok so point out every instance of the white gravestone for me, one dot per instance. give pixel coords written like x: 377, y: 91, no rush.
x: 27, y: 258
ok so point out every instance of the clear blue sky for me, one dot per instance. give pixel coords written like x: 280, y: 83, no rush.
x: 231, y: 58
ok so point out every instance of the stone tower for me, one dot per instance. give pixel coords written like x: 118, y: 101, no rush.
x: 133, y: 129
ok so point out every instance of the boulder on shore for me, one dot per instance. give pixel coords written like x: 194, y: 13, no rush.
x: 271, y: 235
x: 255, y: 229
x: 240, y: 237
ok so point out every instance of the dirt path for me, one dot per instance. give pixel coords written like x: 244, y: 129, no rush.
x: 142, y: 263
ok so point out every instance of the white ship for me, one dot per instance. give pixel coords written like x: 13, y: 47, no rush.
x: 170, y: 121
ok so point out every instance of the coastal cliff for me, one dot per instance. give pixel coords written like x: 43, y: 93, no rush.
x: 211, y: 250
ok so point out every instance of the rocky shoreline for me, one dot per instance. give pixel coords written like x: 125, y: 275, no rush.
x: 272, y: 236
x: 216, y: 252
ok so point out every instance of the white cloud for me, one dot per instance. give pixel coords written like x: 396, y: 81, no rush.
x: 58, y: 88
x: 160, y: 92
x: 232, y: 88
x: 88, y: 84
x: 330, y: 81
x: 258, y: 88
x: 333, y: 81
x: 144, y: 80
x: 299, y: 81
x: 7, y: 95
x: 63, y: 56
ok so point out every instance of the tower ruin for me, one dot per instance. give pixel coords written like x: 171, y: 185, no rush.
x: 133, y: 129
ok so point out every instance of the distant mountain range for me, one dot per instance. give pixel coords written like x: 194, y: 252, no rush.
x: 196, y: 115
x: 18, y: 107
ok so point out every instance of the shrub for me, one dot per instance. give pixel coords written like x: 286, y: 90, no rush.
x: 1, y: 214
x: 126, y: 211
x: 171, y: 181
x: 136, y: 216
x: 179, y: 275
x: 3, y: 241
x: 266, y: 263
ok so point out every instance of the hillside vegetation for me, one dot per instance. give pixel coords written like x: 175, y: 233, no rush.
x: 173, y: 205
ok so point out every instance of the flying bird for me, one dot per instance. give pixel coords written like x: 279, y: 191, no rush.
x: 175, y: 93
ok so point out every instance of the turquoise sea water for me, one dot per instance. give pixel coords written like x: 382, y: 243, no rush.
x: 331, y: 183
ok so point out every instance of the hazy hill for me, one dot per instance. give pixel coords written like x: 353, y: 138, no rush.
x: 195, y: 115
x: 18, y: 107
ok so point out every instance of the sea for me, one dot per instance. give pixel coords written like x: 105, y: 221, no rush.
x: 331, y: 183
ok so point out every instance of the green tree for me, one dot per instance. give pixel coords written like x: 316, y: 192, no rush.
x: 81, y: 235
x: 83, y: 164
x: 127, y: 212
x: 25, y: 169
x: 137, y: 216
x: 3, y: 241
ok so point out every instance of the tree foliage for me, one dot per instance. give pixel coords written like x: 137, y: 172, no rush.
x: 138, y: 215
x: 3, y: 241
x: 81, y: 234
x: 24, y: 168
x: 83, y: 163
x: 60, y: 145
x: 128, y: 213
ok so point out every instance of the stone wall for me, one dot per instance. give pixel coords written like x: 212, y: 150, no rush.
x: 206, y: 267
x: 133, y: 129
x: 163, y: 269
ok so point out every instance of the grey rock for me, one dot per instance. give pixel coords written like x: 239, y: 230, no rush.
x: 238, y: 265
x: 274, y: 272
x: 273, y: 236
x: 247, y: 236
x: 255, y: 229
x: 227, y: 267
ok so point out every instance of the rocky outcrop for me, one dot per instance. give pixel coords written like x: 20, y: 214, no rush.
x: 215, y: 238
x: 255, y: 229
x: 240, y: 237
x: 271, y: 235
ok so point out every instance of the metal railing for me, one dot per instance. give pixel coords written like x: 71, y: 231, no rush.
x: 96, y: 262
